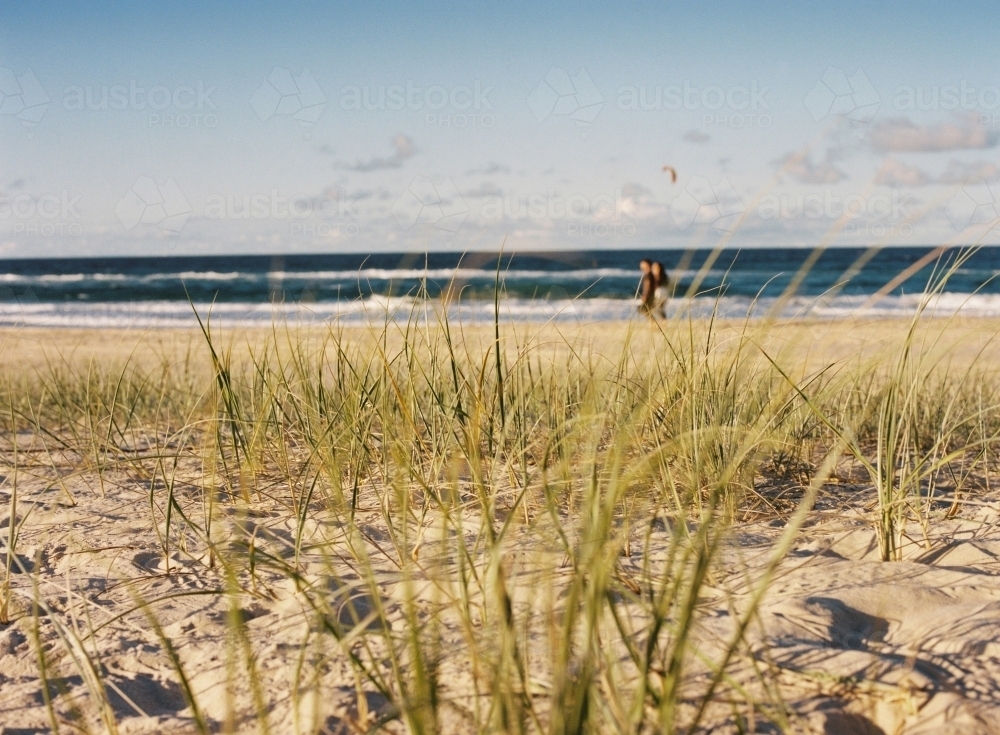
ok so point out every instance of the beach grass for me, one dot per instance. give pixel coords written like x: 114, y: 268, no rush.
x: 513, y: 528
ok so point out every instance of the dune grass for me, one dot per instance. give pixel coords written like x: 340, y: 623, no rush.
x: 505, y: 529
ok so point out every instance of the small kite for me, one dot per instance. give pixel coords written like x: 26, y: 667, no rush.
x: 673, y: 173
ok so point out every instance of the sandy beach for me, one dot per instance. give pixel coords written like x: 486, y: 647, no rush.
x: 163, y: 581
x: 478, y: 369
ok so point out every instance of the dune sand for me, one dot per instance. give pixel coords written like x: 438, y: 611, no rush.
x: 853, y: 644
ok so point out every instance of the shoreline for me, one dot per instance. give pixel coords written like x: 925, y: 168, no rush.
x: 163, y: 314
x: 823, y: 340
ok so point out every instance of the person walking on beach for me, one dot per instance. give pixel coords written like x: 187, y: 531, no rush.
x: 660, y: 283
x: 647, y: 287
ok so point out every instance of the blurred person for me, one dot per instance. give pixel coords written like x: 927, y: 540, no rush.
x: 647, y: 287
x: 661, y: 282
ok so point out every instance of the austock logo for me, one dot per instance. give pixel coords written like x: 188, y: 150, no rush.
x: 149, y: 204
x: 16, y: 309
x: 282, y: 94
x: 46, y: 215
x: 20, y: 309
x: 977, y: 203
x: 425, y: 202
x: 837, y: 94
x: 560, y: 94
x: 22, y: 96
x: 702, y: 202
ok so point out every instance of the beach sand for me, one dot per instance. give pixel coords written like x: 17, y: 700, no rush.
x: 852, y: 644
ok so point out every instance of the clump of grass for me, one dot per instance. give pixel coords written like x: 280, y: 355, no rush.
x: 919, y: 420
x: 512, y: 529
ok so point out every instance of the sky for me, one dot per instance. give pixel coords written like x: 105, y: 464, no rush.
x: 177, y: 128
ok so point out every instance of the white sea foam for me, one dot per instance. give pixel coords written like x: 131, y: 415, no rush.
x: 584, y: 275
x: 153, y: 314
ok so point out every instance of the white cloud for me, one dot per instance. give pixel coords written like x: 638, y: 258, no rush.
x: 958, y: 172
x: 896, y: 173
x: 635, y: 191
x: 487, y: 189
x: 490, y: 169
x: 404, y: 150
x: 696, y: 136
x: 902, y: 134
x: 806, y: 171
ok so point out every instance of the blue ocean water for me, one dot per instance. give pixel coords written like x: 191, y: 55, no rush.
x: 591, y: 285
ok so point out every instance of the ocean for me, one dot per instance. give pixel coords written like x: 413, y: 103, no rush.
x: 580, y: 286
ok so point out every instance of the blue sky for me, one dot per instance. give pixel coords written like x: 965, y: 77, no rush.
x: 170, y: 128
